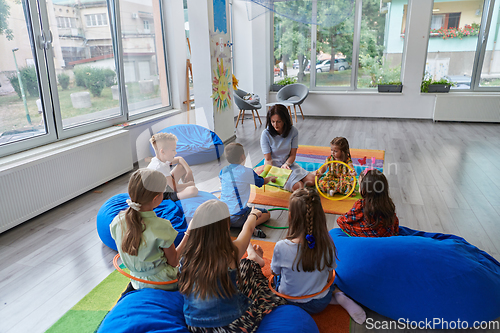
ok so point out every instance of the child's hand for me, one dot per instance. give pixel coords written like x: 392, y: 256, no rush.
x: 273, y: 179
x: 188, y: 176
x: 256, y: 211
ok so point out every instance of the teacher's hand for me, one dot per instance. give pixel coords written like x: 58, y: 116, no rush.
x: 285, y: 166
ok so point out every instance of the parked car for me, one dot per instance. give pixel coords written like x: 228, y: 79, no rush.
x: 295, y: 64
x: 339, y: 65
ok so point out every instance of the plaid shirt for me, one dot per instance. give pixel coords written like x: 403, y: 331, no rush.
x: 355, y: 224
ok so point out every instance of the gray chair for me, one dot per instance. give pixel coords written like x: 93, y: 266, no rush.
x: 293, y: 93
x: 244, y: 105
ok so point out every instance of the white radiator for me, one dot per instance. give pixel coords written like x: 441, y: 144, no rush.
x: 466, y: 107
x: 38, y: 182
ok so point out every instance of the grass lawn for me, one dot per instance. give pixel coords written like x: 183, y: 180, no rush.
x: 490, y: 83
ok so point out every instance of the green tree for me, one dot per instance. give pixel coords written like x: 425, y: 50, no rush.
x: 337, y: 38
x: 292, y: 39
x: 4, y: 24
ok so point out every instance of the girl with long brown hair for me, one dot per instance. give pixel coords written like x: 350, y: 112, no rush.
x: 304, y: 261
x: 375, y: 214
x: 146, y: 242
x: 222, y: 293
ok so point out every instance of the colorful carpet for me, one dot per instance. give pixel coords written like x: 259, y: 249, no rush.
x: 311, y: 158
x: 87, y: 314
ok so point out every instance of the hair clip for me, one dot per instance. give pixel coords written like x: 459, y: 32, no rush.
x: 311, y: 241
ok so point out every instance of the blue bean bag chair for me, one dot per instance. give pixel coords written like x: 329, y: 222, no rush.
x: 419, y: 276
x: 196, y: 144
x: 176, y: 212
x: 160, y: 311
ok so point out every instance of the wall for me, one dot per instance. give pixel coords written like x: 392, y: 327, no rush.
x: 251, y: 52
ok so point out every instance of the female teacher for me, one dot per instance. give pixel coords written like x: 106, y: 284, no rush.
x: 279, y: 142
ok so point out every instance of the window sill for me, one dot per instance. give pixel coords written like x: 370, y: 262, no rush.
x: 30, y: 154
x: 149, y: 119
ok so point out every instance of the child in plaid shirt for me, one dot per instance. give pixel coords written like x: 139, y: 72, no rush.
x: 375, y: 214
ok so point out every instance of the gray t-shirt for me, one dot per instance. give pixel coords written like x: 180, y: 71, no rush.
x: 294, y: 283
x: 280, y: 147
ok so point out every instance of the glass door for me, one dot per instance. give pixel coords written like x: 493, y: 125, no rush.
x: 25, y: 108
x: 82, y: 65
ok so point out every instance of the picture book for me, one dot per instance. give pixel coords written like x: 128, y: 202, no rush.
x: 280, y: 174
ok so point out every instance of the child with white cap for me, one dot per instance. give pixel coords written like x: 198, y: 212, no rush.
x: 221, y: 292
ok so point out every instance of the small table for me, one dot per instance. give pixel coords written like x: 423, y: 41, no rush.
x: 285, y: 103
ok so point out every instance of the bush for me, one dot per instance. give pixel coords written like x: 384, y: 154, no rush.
x: 95, y: 80
x: 63, y: 80
x: 110, y: 77
x: 30, y: 81
x: 287, y: 80
x: 15, y: 84
x: 80, y: 75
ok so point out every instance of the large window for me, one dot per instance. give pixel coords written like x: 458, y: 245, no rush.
x: 357, y: 43
x: 462, y: 44
x: 143, y: 56
x: 64, y: 71
x: 453, y: 41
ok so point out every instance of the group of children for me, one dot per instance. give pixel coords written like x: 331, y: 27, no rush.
x: 223, y: 292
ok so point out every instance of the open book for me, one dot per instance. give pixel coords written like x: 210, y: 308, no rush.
x: 280, y: 174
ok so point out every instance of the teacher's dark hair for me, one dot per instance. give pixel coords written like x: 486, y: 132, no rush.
x: 282, y: 112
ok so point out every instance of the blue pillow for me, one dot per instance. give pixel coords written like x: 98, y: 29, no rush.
x: 188, y: 206
x: 419, y: 276
x: 160, y: 311
x: 288, y: 318
x: 196, y: 144
x: 146, y: 310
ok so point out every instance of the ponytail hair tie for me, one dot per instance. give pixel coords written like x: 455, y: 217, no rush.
x: 311, y: 241
x: 134, y: 205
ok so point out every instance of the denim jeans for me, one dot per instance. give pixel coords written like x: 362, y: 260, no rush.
x: 239, y: 220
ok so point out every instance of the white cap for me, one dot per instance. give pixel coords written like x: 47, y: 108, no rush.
x: 209, y: 212
x: 153, y: 180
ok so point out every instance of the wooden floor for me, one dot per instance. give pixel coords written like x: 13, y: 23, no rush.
x: 444, y: 177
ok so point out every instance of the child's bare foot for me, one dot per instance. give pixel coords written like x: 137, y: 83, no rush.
x: 253, y: 255
x: 258, y: 250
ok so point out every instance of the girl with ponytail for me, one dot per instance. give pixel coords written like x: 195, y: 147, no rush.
x: 146, y: 242
x: 304, y: 261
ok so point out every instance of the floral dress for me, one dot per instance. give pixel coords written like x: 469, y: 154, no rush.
x: 337, y: 177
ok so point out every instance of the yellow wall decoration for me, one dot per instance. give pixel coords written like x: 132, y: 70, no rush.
x: 221, y: 86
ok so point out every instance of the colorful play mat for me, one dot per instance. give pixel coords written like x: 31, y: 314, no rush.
x: 312, y: 158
